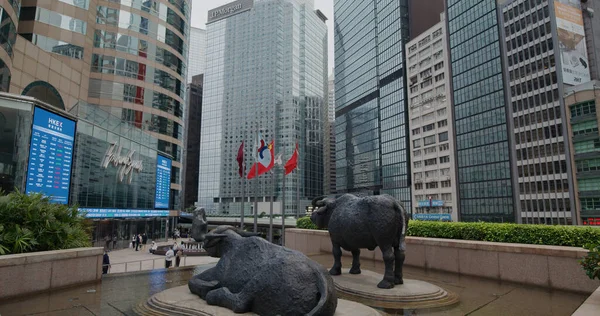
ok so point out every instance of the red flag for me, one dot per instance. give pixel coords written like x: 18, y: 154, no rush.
x: 265, y: 157
x: 292, y: 164
x: 240, y: 160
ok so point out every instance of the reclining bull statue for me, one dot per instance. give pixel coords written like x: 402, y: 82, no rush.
x: 355, y: 223
x: 254, y: 275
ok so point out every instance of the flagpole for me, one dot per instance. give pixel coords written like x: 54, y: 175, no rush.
x: 256, y: 190
x: 297, y: 193
x: 271, y: 204
x: 283, y: 212
x: 243, y: 189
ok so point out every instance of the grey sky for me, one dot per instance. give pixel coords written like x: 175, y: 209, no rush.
x: 200, y: 12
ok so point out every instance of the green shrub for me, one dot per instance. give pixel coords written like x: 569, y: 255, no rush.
x: 31, y: 223
x: 591, y: 263
x: 574, y: 236
x: 305, y: 223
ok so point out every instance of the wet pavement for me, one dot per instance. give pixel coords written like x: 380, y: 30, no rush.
x: 117, y: 294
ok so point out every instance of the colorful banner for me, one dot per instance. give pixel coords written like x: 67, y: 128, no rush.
x: 571, y: 38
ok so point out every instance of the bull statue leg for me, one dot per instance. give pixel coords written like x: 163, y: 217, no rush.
x: 399, y: 262
x: 238, y: 303
x: 204, y: 283
x: 337, y: 260
x: 388, y: 259
x: 355, y: 262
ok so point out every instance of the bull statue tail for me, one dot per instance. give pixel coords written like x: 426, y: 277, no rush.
x: 404, y: 222
x: 328, y: 298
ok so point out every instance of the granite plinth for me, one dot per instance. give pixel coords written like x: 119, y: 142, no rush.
x: 179, y: 301
x: 413, y: 294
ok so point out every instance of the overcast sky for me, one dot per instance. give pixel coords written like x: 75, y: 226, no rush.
x: 200, y: 12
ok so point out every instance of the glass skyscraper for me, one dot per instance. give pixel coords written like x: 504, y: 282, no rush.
x: 483, y: 149
x: 266, y: 72
x: 371, y: 128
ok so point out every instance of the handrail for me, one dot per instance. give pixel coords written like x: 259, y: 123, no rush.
x: 140, y: 267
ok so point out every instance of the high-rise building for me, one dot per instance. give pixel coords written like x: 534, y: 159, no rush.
x: 193, y: 119
x: 120, y: 70
x: 197, y: 52
x: 371, y: 128
x: 266, y: 73
x: 485, y: 186
x: 329, y: 140
x: 545, y: 47
x: 432, y: 145
x: 583, y: 115
x: 592, y: 35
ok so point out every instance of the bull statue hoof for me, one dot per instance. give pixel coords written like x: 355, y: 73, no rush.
x: 335, y: 271
x: 385, y: 285
x: 355, y: 270
x: 356, y: 223
x: 256, y: 276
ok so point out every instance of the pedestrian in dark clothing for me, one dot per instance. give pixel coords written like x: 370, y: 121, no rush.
x: 106, y: 242
x: 178, y: 257
x: 137, y: 242
x: 144, y: 241
x: 105, y: 263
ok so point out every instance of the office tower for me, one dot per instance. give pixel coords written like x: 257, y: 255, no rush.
x: 193, y: 119
x: 266, y: 73
x: 484, y: 178
x: 329, y: 140
x: 432, y: 145
x: 592, y: 32
x: 546, y: 52
x: 120, y: 68
x: 371, y: 129
x: 583, y: 105
x: 197, y: 52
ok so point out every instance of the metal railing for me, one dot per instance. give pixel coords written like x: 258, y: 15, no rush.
x: 142, y: 265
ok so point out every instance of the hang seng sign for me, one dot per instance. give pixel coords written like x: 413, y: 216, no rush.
x: 126, y: 164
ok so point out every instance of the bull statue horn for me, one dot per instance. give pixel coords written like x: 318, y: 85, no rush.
x: 317, y: 199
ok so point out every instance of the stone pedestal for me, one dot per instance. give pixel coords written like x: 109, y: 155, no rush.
x: 179, y: 301
x: 413, y: 294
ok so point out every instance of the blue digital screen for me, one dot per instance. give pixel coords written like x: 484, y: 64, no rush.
x: 50, y: 156
x: 111, y: 213
x: 163, y: 182
x: 434, y: 203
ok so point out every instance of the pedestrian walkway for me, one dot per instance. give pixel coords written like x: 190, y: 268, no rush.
x: 129, y: 260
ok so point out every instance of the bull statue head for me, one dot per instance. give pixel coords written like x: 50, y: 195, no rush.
x: 324, y: 207
x: 199, y: 224
x: 221, y: 238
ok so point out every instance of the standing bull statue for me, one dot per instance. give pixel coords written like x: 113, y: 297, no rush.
x: 199, y: 224
x: 355, y: 223
x: 255, y: 275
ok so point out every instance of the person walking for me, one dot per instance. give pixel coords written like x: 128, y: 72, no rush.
x: 114, y: 241
x: 107, y: 242
x: 137, y: 242
x: 105, y: 262
x: 169, y: 258
x: 144, y: 241
x: 178, y: 257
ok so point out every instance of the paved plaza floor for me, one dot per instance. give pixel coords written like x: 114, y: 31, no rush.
x: 119, y: 293
x: 129, y: 260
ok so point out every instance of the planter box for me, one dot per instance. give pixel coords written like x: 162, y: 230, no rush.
x: 553, y: 267
x: 47, y: 270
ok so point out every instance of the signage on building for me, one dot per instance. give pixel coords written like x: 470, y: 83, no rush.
x: 126, y: 164
x: 50, y: 156
x: 431, y: 203
x: 432, y: 217
x: 571, y: 38
x: 228, y: 10
x: 112, y: 213
x: 163, y: 182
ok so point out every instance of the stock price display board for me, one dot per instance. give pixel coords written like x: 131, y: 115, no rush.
x: 163, y: 182
x: 50, y: 155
